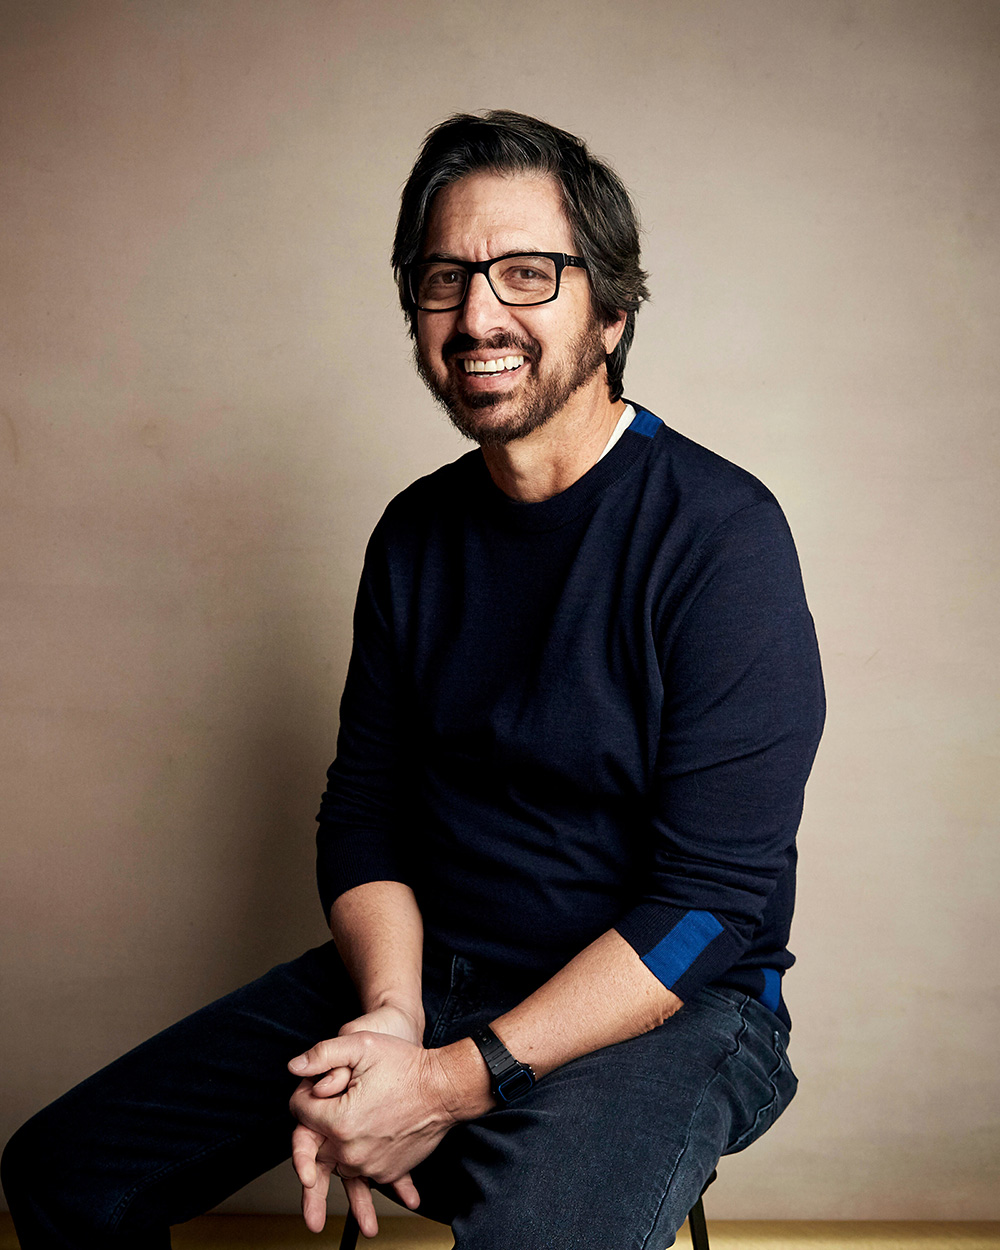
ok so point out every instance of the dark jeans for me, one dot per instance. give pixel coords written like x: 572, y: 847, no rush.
x: 609, y: 1151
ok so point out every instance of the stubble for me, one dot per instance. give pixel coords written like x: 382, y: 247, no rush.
x: 534, y: 403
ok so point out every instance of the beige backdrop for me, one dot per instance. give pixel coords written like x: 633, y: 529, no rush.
x: 207, y: 400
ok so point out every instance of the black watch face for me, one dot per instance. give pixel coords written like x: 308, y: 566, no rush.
x: 514, y: 1086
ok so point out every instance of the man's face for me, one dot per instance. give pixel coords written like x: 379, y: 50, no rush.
x: 561, y: 345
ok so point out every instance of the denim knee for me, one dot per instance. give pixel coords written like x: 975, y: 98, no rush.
x: 47, y: 1208
x: 22, y: 1172
x: 21, y: 1162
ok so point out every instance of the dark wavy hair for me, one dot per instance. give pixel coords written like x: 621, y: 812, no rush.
x: 603, y: 220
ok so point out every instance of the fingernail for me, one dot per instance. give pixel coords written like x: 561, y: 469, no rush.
x: 298, y: 1063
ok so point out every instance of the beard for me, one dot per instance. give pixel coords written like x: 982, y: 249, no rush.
x: 535, y: 401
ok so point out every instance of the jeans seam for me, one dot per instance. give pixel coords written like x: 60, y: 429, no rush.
x: 449, y: 1008
x: 126, y: 1200
x: 442, y: 1022
x: 687, y: 1139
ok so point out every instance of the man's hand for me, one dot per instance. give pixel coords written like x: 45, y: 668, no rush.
x: 372, y: 1105
x: 306, y: 1143
x: 315, y: 1160
x: 387, y: 1019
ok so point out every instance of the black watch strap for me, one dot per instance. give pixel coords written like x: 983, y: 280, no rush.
x: 508, y: 1078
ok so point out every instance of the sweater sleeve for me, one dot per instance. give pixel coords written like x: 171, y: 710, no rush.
x: 743, y: 713
x: 358, y: 836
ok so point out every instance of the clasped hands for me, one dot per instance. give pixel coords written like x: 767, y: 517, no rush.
x: 371, y: 1105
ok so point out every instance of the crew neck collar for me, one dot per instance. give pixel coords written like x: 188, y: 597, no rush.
x: 548, y: 514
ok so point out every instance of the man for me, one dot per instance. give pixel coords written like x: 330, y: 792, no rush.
x: 557, y: 846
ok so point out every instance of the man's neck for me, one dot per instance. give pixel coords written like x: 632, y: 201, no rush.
x: 551, y: 458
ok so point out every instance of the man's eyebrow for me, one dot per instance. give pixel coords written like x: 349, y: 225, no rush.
x: 448, y: 256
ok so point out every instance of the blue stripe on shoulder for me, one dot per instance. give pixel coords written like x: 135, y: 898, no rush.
x: 670, y: 958
x: 645, y: 423
x: 772, y: 988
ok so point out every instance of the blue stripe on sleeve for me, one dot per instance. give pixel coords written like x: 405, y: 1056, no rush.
x: 670, y: 958
x: 645, y: 423
x: 772, y: 988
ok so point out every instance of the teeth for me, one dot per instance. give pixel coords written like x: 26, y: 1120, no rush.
x: 492, y: 366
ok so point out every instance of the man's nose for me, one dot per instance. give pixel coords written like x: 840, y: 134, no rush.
x: 482, y: 314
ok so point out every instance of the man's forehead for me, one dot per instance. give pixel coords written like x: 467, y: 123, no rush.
x: 485, y: 211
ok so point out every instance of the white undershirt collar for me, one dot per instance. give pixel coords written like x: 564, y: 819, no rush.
x: 624, y: 421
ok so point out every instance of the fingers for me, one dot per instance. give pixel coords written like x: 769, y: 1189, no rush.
x: 314, y: 1206
x: 336, y: 1052
x: 359, y: 1194
x: 305, y: 1145
x: 406, y: 1191
x: 335, y: 1082
x: 313, y: 1175
x: 313, y: 1171
x: 303, y: 1106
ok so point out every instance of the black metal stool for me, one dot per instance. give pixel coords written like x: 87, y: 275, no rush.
x: 696, y: 1224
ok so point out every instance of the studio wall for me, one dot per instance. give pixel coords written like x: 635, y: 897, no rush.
x: 207, y: 398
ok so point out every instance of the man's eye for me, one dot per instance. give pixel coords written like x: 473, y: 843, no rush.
x: 525, y: 278
x: 445, y: 278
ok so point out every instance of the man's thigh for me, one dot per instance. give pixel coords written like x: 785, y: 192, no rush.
x: 177, y: 1124
x: 613, y: 1149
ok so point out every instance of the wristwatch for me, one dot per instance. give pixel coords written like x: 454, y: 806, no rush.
x: 508, y: 1078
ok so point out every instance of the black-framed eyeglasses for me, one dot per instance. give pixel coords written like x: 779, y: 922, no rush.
x: 521, y: 280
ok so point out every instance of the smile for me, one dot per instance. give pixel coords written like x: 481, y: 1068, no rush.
x: 500, y: 365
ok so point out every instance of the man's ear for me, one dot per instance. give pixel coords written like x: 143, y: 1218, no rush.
x: 613, y: 330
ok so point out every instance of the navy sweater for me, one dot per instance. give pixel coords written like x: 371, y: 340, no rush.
x: 596, y: 711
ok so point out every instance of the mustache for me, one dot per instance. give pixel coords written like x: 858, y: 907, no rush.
x: 498, y: 343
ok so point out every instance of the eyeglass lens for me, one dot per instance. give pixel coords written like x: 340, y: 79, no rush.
x: 515, y: 279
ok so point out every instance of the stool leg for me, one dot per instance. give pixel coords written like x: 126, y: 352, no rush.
x: 350, y: 1238
x: 697, y: 1226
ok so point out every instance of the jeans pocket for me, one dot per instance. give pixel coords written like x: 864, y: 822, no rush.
x: 775, y: 1083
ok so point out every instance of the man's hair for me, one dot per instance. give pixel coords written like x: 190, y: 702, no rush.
x: 603, y: 220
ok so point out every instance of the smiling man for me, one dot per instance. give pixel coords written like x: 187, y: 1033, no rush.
x: 479, y: 352
x: 557, y: 847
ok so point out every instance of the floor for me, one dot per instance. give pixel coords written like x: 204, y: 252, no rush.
x: 286, y: 1232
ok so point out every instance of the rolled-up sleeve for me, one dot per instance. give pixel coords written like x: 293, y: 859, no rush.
x: 743, y: 713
